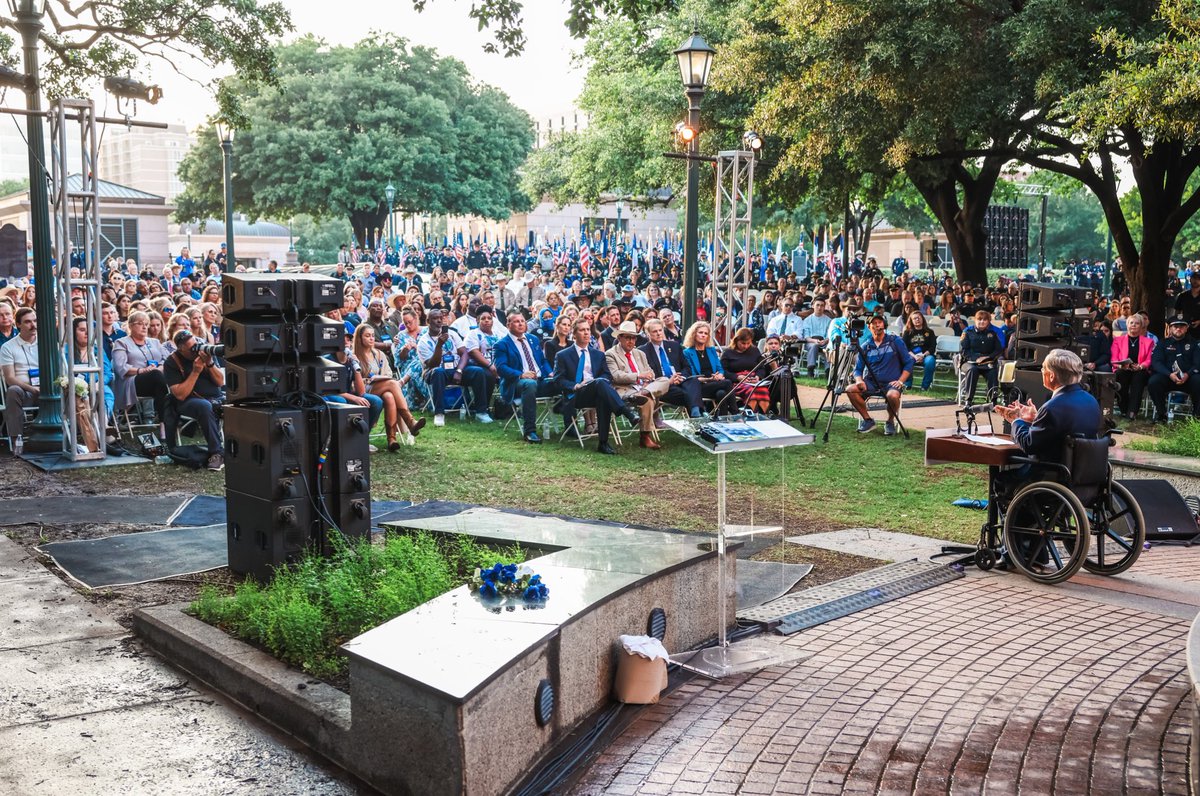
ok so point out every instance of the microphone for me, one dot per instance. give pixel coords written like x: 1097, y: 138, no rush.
x: 978, y: 409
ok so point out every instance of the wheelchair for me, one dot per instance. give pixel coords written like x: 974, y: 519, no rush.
x: 1071, y: 516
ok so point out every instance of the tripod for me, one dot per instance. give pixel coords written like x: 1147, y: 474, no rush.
x: 787, y: 392
x: 841, y: 374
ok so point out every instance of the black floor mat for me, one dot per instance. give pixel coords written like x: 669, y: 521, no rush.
x: 210, y: 510
x: 80, y: 509
x: 141, y: 557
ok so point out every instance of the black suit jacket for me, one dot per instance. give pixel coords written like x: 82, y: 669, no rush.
x: 566, y: 367
x: 674, y: 356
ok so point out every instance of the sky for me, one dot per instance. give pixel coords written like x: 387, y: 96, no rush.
x: 541, y: 81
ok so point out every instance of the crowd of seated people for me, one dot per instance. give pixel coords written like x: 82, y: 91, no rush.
x: 431, y: 332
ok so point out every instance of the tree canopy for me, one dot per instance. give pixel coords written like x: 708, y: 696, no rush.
x: 86, y: 41
x: 340, y: 123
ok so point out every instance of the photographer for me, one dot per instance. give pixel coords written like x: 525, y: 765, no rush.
x: 883, y: 366
x: 196, y: 386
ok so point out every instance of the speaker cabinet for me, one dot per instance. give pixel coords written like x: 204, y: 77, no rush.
x: 283, y: 294
x: 1032, y: 353
x: 266, y: 451
x: 269, y: 337
x: 1055, y: 296
x: 265, y: 534
x: 1167, y: 515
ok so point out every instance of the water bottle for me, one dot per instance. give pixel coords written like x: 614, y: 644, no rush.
x: 162, y: 459
x: 462, y: 411
x: 18, y: 446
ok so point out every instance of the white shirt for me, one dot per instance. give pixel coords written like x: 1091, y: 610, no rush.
x: 484, y: 343
x: 528, y: 363
x: 587, y: 363
x: 789, y: 324
x: 21, y: 355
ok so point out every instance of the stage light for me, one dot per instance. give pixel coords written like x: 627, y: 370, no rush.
x: 128, y: 88
x: 684, y: 133
x: 752, y: 141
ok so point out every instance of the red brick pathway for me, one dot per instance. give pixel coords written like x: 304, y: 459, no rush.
x: 978, y: 686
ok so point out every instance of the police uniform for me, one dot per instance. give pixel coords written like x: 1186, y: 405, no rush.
x: 976, y: 344
x: 1174, y: 356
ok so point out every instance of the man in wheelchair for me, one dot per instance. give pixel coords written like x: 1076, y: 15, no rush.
x: 1060, y: 508
x: 1071, y: 411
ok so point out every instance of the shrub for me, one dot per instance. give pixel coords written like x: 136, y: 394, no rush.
x: 1180, y: 439
x: 313, y: 606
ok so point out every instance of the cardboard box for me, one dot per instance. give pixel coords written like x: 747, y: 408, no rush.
x: 639, y: 680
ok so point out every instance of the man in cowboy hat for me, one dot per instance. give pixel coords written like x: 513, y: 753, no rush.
x: 635, y: 380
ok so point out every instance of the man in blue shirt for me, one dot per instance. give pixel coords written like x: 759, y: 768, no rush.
x: 882, y: 368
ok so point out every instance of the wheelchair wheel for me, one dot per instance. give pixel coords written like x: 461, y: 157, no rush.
x: 1118, y: 532
x: 1046, y: 532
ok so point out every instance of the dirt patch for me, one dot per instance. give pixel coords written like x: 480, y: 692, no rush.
x: 828, y: 565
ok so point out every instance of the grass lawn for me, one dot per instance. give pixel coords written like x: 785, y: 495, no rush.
x: 853, y: 481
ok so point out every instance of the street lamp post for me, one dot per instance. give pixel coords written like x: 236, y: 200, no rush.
x: 695, y: 59
x: 390, y: 194
x: 45, y: 434
x: 225, y: 135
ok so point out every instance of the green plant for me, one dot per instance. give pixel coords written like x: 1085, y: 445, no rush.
x: 1180, y: 439
x: 313, y: 606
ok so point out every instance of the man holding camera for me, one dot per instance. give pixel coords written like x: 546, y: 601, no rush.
x: 197, y: 389
x: 884, y: 364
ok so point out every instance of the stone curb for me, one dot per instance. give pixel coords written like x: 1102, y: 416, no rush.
x: 1193, y: 670
x: 314, y: 713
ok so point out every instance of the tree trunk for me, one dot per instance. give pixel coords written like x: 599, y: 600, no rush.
x: 967, y: 240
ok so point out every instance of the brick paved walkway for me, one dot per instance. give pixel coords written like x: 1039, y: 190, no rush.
x: 983, y: 685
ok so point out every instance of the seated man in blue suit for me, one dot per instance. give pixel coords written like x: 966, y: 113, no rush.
x: 582, y: 374
x: 524, y: 372
x: 1071, y: 410
x: 666, y: 359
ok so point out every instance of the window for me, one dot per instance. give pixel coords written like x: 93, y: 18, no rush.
x: 118, y: 237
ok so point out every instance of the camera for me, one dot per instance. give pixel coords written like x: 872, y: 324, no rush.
x: 210, y: 349
x: 857, y: 325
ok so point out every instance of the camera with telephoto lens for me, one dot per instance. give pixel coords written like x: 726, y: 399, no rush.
x: 210, y: 349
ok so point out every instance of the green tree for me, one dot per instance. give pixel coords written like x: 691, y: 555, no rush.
x: 85, y: 41
x: 9, y: 187
x: 318, y: 240
x: 340, y: 123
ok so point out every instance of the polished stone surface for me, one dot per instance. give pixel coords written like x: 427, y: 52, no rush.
x: 476, y: 639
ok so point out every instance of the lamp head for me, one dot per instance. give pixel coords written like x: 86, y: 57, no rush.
x: 684, y: 134
x: 27, y: 8
x: 695, y: 58
x: 752, y: 141
x: 224, y: 131
x: 390, y: 193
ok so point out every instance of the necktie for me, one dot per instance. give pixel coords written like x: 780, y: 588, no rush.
x: 632, y: 365
x: 582, y: 362
x: 666, y: 363
x: 527, y: 355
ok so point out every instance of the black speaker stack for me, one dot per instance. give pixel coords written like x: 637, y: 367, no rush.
x: 1007, y: 236
x: 296, y: 467
x: 1054, y: 316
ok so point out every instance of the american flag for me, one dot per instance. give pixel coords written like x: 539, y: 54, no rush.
x: 585, y: 256
x: 458, y: 252
x: 612, y: 259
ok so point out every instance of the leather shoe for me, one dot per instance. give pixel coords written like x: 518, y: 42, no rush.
x: 632, y: 416
x: 606, y: 449
x: 637, y: 400
x: 647, y: 441
x: 533, y: 438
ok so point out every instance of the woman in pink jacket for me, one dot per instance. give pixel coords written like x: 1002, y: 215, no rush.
x: 1131, y: 362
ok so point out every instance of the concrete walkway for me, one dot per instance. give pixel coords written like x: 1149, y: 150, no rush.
x: 988, y: 684
x: 84, y: 711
